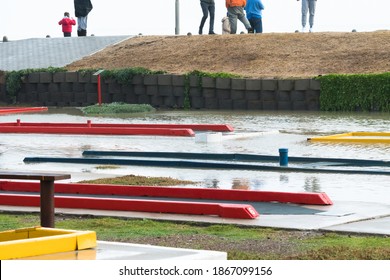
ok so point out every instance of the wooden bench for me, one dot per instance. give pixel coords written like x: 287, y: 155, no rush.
x: 46, y: 191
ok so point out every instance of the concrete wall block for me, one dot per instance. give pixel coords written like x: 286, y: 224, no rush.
x: 225, y: 104
x: 139, y: 89
x: 178, y: 91
x: 283, y: 96
x: 255, y: 105
x: 65, y: 87
x: 194, y: 81
x: 253, y: 84
x: 197, y: 102
x: 94, y: 79
x: 33, y: 77
x: 268, y: 95
x: 42, y: 88
x: 152, y: 90
x: 68, y: 97
x: 81, y: 97
x: 169, y: 102
x: 298, y: 96
x: 237, y: 94
x: 179, y: 102
x: 223, y: 83
x: 114, y: 88
x: 32, y: 97
x: 312, y: 95
x: 78, y: 87
x: 299, y: 105
x: 90, y: 88
x: 286, y: 85
x: 150, y: 80
x: 315, y: 84
x: 178, y: 80
x: 127, y: 88
x: 195, y: 92
x: 284, y: 105
x: 42, y: 97
x: 252, y: 95
x: 84, y: 77
x: 211, y: 103
x: 88, y: 98
x: 20, y: 98
x: 71, y: 77
x: 269, y: 84
x: 131, y: 98
x: 165, y: 90
x: 106, y: 97
x: 53, y: 88
x: 238, y: 84
x: 144, y: 99
x: 270, y: 105
x: 164, y: 80
x: 303, y: 84
x: 59, y: 77
x: 208, y: 82
x: 118, y: 97
x: 31, y: 88
x: 223, y: 93
x: 137, y: 80
x: 209, y: 92
x: 313, y: 106
x: 54, y: 97
x: 239, y: 104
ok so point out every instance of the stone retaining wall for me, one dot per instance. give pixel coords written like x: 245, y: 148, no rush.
x: 167, y: 92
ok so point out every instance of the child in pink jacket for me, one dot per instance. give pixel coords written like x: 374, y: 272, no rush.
x: 67, y: 23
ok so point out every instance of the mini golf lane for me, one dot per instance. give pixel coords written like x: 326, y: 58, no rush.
x: 134, y: 199
x: 174, y: 192
x: 14, y: 110
x: 111, y: 129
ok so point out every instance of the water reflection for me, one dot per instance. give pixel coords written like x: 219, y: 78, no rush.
x: 312, y: 184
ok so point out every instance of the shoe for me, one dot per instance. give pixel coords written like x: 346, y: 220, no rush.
x: 303, y: 29
x: 212, y: 33
x: 250, y: 30
x: 200, y: 32
x: 311, y: 29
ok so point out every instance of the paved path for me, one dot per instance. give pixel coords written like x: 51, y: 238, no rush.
x: 51, y: 52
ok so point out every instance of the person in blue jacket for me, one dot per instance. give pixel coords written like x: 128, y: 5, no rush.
x: 254, y: 14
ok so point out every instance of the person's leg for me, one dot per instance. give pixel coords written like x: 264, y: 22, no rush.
x: 212, y: 16
x: 305, y: 8
x: 312, y: 10
x: 67, y: 34
x: 241, y: 16
x: 205, y: 15
x: 257, y: 25
x: 232, y: 20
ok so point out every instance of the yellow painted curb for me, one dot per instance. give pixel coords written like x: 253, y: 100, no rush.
x: 35, y: 241
x: 356, y: 137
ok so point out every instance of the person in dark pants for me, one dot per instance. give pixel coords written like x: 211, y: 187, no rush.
x: 254, y: 10
x: 82, y: 9
x: 67, y: 23
x: 208, y: 6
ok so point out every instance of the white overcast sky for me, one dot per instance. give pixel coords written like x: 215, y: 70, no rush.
x: 20, y: 19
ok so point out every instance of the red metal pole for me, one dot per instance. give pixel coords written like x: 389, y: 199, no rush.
x: 99, y: 91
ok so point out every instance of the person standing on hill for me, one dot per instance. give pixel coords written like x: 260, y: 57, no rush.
x: 308, y: 6
x: 254, y: 14
x: 82, y: 9
x: 67, y: 23
x: 208, y: 6
x: 236, y: 11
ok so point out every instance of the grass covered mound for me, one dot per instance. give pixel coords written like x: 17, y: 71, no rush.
x: 110, y: 109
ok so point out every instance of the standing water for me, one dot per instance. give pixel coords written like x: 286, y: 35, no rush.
x: 288, y: 130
